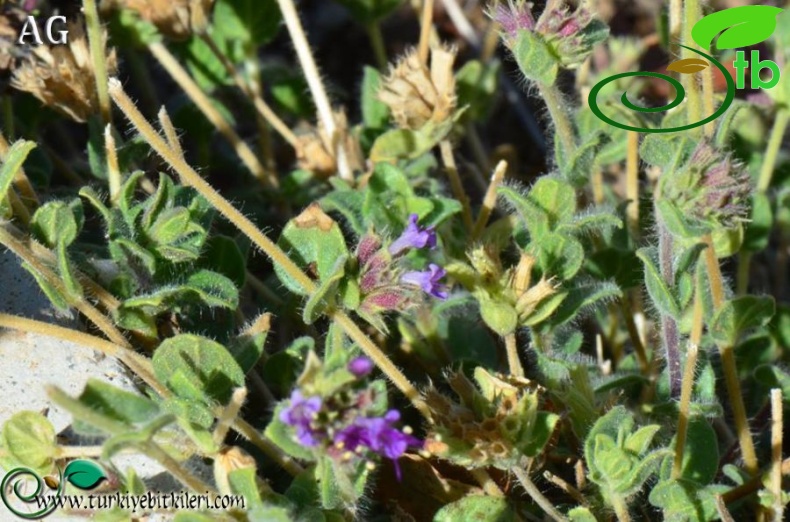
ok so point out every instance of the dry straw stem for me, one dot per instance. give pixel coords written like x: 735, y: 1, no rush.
x: 185, y: 81
x: 229, y: 414
x: 113, y: 170
x: 258, y: 102
x: 101, y: 321
x: 690, y: 17
x: 277, y: 256
x: 776, y: 453
x: 489, y: 201
x: 96, y: 45
x: 513, y: 362
x: 632, y: 184
x: 457, y: 187
x: 532, y: 490
x: 486, y: 482
x: 426, y: 24
x: 310, y: 71
x: 567, y: 488
x: 728, y: 363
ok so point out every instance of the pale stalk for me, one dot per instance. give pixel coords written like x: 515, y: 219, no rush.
x: 310, y: 71
x: 260, y: 105
x: 620, y: 509
x: 203, y: 102
x: 489, y: 200
x: 426, y: 23
x: 98, y: 57
x: 721, y: 507
x: 113, y: 170
x: 691, y: 15
x: 683, y: 414
x: 777, y: 430
x: 457, y: 187
x: 228, y: 415
x: 728, y: 363
x: 571, y: 491
x: 277, y: 256
x: 100, y: 320
x: 532, y: 490
x: 632, y: 184
x: 513, y: 361
x: 486, y: 482
x: 171, y: 135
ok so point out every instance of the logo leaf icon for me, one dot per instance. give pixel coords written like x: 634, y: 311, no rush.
x: 688, y: 65
x: 84, y: 474
x: 743, y: 26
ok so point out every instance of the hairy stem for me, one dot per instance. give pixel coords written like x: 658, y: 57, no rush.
x: 683, y: 415
x: 275, y: 254
x: 98, y: 57
x: 559, y: 115
x: 113, y: 170
x: 669, y: 328
x: 457, y: 187
x: 310, y: 71
x: 620, y: 508
x: 691, y: 14
x: 203, y: 102
x: 632, y: 184
x: 532, y: 490
x: 777, y: 430
x: 489, y: 200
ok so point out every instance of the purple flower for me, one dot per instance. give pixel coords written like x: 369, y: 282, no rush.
x: 413, y: 237
x: 300, y: 414
x: 513, y: 18
x: 428, y: 280
x: 360, y: 366
x: 378, y: 435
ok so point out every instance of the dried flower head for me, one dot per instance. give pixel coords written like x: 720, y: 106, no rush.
x: 417, y: 95
x: 176, y: 19
x: 62, y: 77
x: 315, y: 151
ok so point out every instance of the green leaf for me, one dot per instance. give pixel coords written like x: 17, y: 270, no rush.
x: 701, y: 455
x: 660, y: 294
x: 532, y: 215
x: 581, y: 514
x: 534, y: 58
x: 57, y: 222
x: 117, y: 404
x: 477, y: 507
x: 349, y: 204
x: 12, y: 162
x: 556, y: 198
x: 375, y: 114
x: 213, y: 289
x: 557, y: 255
x: 250, y: 23
x: 477, y: 86
x: 29, y: 439
x: 71, y: 285
x: 54, y: 295
x: 676, y: 222
x: 202, y: 361
x: 244, y: 482
x: 540, y: 433
x: 681, y: 500
x: 222, y: 254
x: 499, y: 316
x: 582, y: 297
x: 738, y: 315
x: 314, y: 242
x: 85, y: 474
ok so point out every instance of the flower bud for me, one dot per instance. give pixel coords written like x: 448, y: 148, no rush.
x: 230, y: 459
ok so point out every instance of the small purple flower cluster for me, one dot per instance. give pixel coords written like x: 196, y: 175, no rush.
x: 355, y: 432
x: 383, y: 289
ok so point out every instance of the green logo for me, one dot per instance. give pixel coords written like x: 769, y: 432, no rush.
x: 739, y: 27
x: 84, y: 474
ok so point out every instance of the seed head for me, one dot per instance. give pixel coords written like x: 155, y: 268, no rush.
x: 417, y: 95
x: 176, y: 19
x: 62, y: 77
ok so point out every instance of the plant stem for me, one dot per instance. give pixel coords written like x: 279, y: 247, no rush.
x: 258, y: 102
x: 176, y: 469
x: 721, y: 507
x: 533, y: 491
x: 683, y: 416
x: 669, y: 328
x: 310, y: 72
x: 772, y: 151
x: 98, y: 57
x: 113, y: 170
x: 277, y: 256
x: 777, y: 430
x: 675, y: 24
x: 479, y: 153
x: 426, y: 23
x: 204, y: 103
x: 377, y: 43
x: 620, y: 508
x: 632, y: 184
x: 691, y: 15
x: 572, y: 492
x: 489, y: 200
x: 100, y: 320
x: 455, y: 183
x: 513, y: 361
x: 229, y: 414
x: 135, y: 362
x: 633, y: 334
x: 557, y: 109
x: 486, y: 482
x: 252, y: 434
